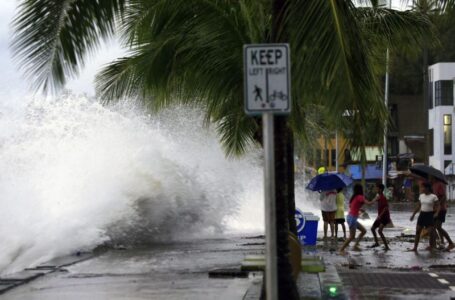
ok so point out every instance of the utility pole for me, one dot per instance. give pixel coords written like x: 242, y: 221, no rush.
x: 386, y: 103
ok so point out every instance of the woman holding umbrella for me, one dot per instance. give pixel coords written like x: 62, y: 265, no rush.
x: 328, y: 210
x: 326, y: 184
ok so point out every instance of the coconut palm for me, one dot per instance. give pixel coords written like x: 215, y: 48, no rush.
x: 191, y: 52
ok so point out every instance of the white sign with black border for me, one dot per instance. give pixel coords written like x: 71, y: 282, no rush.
x: 267, y: 78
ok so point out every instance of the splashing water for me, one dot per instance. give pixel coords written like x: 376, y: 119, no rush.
x: 76, y: 174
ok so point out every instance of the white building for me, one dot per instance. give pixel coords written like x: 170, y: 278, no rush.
x: 441, y: 114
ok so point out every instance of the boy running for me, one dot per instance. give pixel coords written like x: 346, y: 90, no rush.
x: 383, y: 216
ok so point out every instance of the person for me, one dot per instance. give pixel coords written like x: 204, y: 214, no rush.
x: 339, y: 215
x: 321, y: 170
x: 355, y: 203
x: 407, y: 185
x: 328, y: 209
x: 383, y: 217
x: 428, y: 206
x: 439, y: 189
x: 388, y: 193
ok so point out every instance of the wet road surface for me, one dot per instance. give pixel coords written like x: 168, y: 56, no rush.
x: 167, y: 271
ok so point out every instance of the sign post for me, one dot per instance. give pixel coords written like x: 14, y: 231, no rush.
x: 267, y: 92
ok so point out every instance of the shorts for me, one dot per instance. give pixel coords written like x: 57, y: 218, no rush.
x: 441, y: 216
x: 328, y: 216
x: 340, y: 221
x: 425, y: 219
x: 383, y: 220
x: 352, y: 222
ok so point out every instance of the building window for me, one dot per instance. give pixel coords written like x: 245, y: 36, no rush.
x: 333, y: 154
x: 310, y: 157
x: 393, y: 109
x: 446, y: 164
x: 447, y: 134
x: 318, y: 158
x: 431, y: 141
x: 430, y: 95
x: 393, y: 146
x: 443, y: 92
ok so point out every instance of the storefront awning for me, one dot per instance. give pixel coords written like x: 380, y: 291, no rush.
x: 372, y: 171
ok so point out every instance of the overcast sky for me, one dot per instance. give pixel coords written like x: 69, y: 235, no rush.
x: 11, y: 78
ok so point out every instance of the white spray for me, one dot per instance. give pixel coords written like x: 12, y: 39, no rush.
x: 76, y: 174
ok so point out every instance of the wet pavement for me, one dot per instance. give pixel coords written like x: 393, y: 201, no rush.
x: 181, y: 270
x: 395, y: 274
x: 167, y: 271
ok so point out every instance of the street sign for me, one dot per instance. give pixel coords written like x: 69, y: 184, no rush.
x: 267, y: 92
x: 267, y: 78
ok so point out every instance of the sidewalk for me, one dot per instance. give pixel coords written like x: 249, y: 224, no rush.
x: 210, y: 269
x: 395, y: 274
x: 8, y: 282
x: 376, y: 274
x: 168, y: 271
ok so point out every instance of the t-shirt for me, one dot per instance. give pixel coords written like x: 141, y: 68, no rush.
x: 340, y: 206
x: 355, y: 205
x: 427, y: 202
x: 383, y: 205
x: 328, y: 201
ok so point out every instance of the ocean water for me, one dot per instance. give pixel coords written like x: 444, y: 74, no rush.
x: 76, y: 174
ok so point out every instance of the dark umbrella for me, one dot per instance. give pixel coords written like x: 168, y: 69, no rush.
x: 329, y: 181
x: 426, y: 171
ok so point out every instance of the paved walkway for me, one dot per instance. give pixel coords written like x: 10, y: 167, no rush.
x: 189, y: 271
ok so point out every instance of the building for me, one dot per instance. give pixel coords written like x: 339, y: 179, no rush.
x: 330, y: 152
x: 441, y: 114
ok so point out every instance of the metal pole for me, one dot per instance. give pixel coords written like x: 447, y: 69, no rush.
x: 336, y: 151
x: 271, y: 269
x: 386, y: 102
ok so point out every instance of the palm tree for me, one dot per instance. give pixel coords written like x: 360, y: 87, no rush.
x: 191, y: 52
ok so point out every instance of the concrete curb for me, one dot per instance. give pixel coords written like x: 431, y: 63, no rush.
x: 311, y: 285
x: 10, y: 281
x: 331, y: 284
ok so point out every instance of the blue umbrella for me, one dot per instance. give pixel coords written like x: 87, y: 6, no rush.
x: 329, y: 181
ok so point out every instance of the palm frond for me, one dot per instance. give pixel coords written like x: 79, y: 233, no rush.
x: 406, y: 31
x: 191, y: 52
x: 334, y: 66
x: 52, y: 37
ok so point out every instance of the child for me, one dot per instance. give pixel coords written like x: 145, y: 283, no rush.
x: 383, y: 216
x: 429, y: 209
x: 356, y: 202
x: 339, y: 215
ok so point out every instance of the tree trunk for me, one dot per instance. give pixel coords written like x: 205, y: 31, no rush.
x: 284, y: 181
x: 291, y: 180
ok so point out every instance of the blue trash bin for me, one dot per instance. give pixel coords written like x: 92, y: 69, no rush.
x: 307, y: 227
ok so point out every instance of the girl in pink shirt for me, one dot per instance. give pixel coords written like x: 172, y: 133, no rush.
x: 356, y: 202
